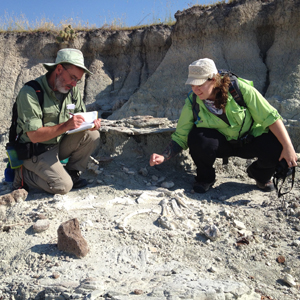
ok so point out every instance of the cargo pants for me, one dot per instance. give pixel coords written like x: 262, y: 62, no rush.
x: 46, y: 172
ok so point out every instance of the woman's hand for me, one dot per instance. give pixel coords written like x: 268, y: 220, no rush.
x: 156, y: 159
x: 289, y: 154
x: 288, y: 151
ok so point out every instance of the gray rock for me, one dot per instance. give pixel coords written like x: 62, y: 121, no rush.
x: 41, y: 225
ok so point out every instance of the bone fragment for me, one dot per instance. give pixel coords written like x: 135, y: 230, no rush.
x: 122, y: 224
x: 180, y: 200
x: 165, y: 208
x: 189, y: 224
x: 167, y: 223
x: 177, y: 210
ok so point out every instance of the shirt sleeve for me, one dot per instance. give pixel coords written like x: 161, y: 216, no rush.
x: 184, y: 125
x: 262, y: 112
x: 29, y: 110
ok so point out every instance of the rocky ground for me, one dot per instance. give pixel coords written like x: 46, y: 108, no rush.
x: 234, y: 242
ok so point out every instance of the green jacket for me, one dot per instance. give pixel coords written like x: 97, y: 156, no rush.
x: 31, y: 116
x: 258, y: 108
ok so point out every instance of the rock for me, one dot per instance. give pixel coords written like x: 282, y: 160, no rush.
x: 289, y: 279
x: 41, y: 225
x: 239, y: 225
x: 143, y: 172
x: 167, y: 184
x: 19, y: 195
x: 297, y: 227
x: 212, y: 269
x: 7, y: 200
x: 2, y: 212
x: 212, y: 232
x: 71, y: 240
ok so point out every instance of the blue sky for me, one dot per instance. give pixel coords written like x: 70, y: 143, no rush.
x: 96, y: 12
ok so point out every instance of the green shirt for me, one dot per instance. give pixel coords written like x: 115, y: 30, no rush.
x: 258, y: 108
x: 31, y: 117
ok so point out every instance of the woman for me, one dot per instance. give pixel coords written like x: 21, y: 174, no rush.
x: 221, y: 126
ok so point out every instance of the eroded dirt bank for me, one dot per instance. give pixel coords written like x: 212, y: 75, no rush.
x: 146, y: 68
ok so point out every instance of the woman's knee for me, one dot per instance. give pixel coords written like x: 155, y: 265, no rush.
x: 202, y: 140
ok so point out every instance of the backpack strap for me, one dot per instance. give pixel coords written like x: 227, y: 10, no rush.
x: 40, y: 94
x: 74, y: 101
x: 234, y: 89
x: 195, y: 107
x: 38, y: 89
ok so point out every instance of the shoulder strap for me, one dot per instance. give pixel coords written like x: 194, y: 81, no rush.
x: 13, y: 136
x: 234, y: 89
x: 195, y: 106
x: 38, y: 89
x: 72, y: 97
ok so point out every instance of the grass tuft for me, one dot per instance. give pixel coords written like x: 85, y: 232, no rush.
x: 14, y: 23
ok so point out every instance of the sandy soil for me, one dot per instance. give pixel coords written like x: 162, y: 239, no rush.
x: 135, y: 255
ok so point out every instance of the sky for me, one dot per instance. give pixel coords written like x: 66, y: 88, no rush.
x: 96, y: 12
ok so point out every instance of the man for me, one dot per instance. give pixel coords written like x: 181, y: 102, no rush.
x: 46, y: 128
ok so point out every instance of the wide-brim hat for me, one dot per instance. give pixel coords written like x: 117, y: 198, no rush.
x: 201, y: 70
x: 69, y: 56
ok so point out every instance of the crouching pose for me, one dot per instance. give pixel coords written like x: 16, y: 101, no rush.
x: 216, y: 123
x: 42, y: 128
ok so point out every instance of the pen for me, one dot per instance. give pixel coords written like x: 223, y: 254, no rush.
x: 71, y: 114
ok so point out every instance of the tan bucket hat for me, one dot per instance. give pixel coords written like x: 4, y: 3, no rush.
x: 70, y: 56
x: 201, y: 70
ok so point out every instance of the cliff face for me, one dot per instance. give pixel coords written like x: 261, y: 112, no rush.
x: 146, y: 68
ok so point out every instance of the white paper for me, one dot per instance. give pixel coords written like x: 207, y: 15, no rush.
x: 89, y: 118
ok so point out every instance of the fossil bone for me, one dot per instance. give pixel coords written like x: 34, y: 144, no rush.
x: 122, y: 224
x: 177, y: 210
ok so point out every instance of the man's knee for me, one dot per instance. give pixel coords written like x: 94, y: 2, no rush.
x: 93, y: 136
x: 92, y: 139
x: 60, y: 186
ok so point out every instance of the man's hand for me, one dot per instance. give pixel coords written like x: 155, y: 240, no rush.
x: 74, y: 122
x: 97, y: 125
x: 156, y: 159
x: 47, y: 133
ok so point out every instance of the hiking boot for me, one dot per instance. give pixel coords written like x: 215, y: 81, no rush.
x: 77, y: 181
x: 266, y: 187
x: 202, y: 187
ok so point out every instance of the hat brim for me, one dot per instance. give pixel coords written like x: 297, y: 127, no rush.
x: 51, y: 66
x: 195, y: 81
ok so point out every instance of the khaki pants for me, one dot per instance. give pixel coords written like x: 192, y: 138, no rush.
x: 46, y: 171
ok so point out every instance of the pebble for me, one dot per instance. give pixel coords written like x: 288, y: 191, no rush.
x: 289, y: 279
x: 55, y: 275
x: 212, y: 269
x: 212, y: 232
x: 296, y: 243
x: 144, y: 172
x: 281, y: 259
x: 167, y: 184
x: 239, y: 225
x: 41, y: 225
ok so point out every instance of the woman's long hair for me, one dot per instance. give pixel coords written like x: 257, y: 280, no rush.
x: 221, y: 90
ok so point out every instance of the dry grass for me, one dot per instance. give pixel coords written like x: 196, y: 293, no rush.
x: 19, y: 23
